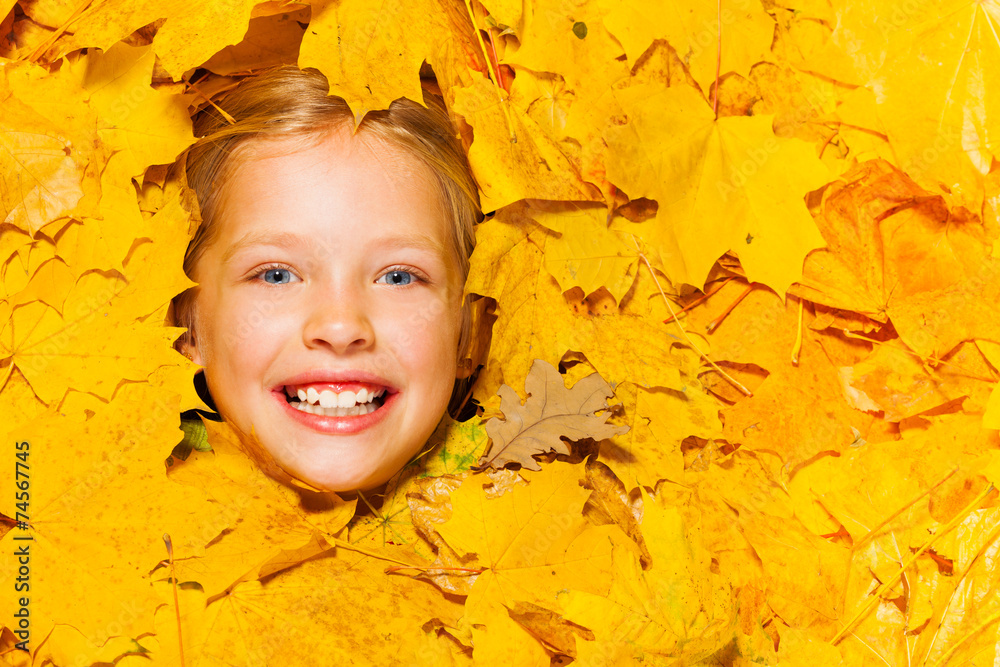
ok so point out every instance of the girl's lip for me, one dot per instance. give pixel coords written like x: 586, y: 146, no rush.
x: 337, y: 425
x: 319, y: 376
x: 338, y: 387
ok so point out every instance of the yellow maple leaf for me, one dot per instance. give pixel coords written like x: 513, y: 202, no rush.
x: 991, y: 351
x: 949, y: 132
x: 106, y: 239
x: 894, y: 382
x: 586, y: 253
x: 151, y: 125
x: 260, y: 517
x: 962, y: 610
x: 109, y: 510
x: 542, y: 544
x: 897, y: 251
x: 914, y: 497
x: 499, y: 639
x: 44, y: 156
x: 55, y: 353
x: 297, y: 618
x: 781, y: 417
x: 372, y: 53
x: 72, y: 339
x: 536, y: 321
x: 510, y: 156
x: 659, y: 421
x: 569, y: 39
x: 692, y: 28
x: 677, y: 605
x: 930, y: 71
x: 721, y: 184
x: 188, y: 36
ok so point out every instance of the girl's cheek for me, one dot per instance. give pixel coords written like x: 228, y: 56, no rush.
x: 431, y: 316
x: 250, y: 316
x: 407, y: 332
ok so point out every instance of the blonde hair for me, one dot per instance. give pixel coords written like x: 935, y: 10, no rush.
x: 288, y: 102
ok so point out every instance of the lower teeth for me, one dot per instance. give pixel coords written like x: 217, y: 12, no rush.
x: 356, y: 411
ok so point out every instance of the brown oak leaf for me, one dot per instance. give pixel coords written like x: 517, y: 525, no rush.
x: 550, y: 413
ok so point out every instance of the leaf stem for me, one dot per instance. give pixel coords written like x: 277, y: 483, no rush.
x: 932, y: 360
x: 954, y: 647
x: 876, y: 597
x: 700, y: 299
x: 367, y: 552
x: 874, y: 531
x: 54, y: 37
x: 714, y: 324
x: 177, y: 605
x: 797, y: 348
x: 718, y: 65
x: 7, y: 373
x: 477, y: 570
x: 680, y: 326
x: 955, y: 592
x: 496, y: 74
x: 496, y: 62
x: 222, y: 112
x: 371, y: 507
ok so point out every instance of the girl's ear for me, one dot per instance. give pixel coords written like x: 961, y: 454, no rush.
x: 183, y: 315
x: 189, y: 348
x: 464, y: 369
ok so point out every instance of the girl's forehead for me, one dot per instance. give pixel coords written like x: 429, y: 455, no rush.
x: 336, y: 139
x: 272, y: 161
x: 363, y: 158
x: 339, y: 185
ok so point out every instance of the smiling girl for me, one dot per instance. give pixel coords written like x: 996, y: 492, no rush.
x: 331, y: 264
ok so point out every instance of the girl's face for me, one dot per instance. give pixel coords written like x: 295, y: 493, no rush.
x: 333, y: 279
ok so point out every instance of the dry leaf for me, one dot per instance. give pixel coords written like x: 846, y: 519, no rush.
x: 550, y: 413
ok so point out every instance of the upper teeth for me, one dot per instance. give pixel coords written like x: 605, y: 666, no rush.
x: 331, y: 399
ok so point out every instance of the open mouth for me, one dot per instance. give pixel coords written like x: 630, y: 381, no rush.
x: 353, y: 402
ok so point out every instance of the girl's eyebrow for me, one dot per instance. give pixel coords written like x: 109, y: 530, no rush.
x: 416, y: 241
x: 278, y: 239
x: 288, y: 240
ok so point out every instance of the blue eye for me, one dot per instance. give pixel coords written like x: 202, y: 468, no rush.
x: 397, y: 277
x: 279, y: 276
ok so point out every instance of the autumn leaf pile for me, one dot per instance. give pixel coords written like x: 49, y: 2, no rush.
x: 769, y: 227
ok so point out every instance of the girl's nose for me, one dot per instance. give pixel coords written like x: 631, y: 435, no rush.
x: 339, y: 322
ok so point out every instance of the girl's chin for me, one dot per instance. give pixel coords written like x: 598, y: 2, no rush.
x: 339, y: 480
